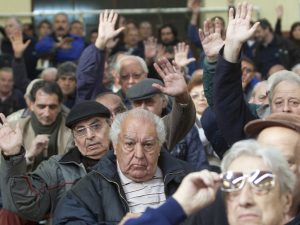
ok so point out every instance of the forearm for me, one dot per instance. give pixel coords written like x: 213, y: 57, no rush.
x: 21, y: 79
x: 90, y: 73
x: 209, y: 71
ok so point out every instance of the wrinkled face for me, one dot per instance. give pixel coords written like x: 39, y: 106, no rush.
x: 67, y: 84
x: 113, y: 103
x: 91, y: 136
x: 145, y: 30
x: 245, y: 207
x: 247, y: 73
x: 61, y: 25
x: 198, y: 97
x: 11, y: 26
x: 286, y: 98
x: 155, y: 104
x: 131, y: 73
x: 288, y: 142
x: 296, y: 33
x: 44, y: 29
x: 260, y: 96
x: 167, y: 36
x: 138, y: 149
x: 260, y: 34
x: 46, y: 107
x: 77, y: 29
x: 6, y: 82
x: 132, y: 37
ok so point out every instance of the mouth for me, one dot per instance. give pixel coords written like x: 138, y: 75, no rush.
x: 93, y: 146
x: 248, y: 216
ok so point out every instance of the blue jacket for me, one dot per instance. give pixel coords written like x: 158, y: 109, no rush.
x: 99, y: 197
x: 89, y: 73
x: 46, y: 47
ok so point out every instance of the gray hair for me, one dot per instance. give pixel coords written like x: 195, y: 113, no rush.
x: 270, y: 156
x: 278, y: 77
x: 138, y: 59
x: 295, y: 68
x: 140, y: 114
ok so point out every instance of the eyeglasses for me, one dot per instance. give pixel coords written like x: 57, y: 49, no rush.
x: 82, y: 131
x: 261, y: 181
x: 126, y: 77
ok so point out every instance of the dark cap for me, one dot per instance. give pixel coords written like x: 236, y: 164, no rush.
x: 143, y: 89
x: 287, y: 120
x: 85, y: 110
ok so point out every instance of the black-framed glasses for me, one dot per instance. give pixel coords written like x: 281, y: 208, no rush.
x: 260, y: 181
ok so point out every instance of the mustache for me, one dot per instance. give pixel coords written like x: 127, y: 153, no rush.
x: 60, y: 28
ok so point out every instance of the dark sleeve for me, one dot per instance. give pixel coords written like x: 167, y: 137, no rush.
x: 278, y: 27
x: 231, y: 110
x: 193, y: 35
x: 21, y: 79
x: 209, y: 70
x: 167, y: 214
x: 294, y: 53
x: 90, y: 73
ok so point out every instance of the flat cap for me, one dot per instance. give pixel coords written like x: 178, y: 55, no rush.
x: 287, y: 120
x: 85, y: 110
x: 143, y: 89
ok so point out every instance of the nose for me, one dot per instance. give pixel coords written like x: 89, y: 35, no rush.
x: 139, y: 153
x: 46, y: 111
x: 246, y: 196
x: 286, y: 107
x: 131, y: 79
x: 89, y: 133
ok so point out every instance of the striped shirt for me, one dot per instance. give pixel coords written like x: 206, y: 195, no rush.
x: 144, y: 194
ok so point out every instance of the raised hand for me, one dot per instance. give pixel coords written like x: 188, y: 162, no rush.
x: 181, y: 51
x: 10, y: 139
x: 279, y: 11
x: 16, y: 39
x: 39, y: 146
x: 106, y: 28
x: 211, y: 38
x: 193, y: 4
x: 238, y: 30
x: 150, y: 48
x: 174, y: 81
x: 197, y: 190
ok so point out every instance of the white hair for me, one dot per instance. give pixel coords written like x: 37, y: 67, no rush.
x: 270, y: 156
x: 140, y: 114
x: 138, y: 59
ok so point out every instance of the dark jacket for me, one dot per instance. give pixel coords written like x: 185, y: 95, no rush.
x: 99, y: 198
x: 35, y: 195
x: 13, y: 103
x: 279, y: 51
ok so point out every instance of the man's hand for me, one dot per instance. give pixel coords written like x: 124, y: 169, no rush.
x: 197, y: 190
x: 181, y: 51
x: 279, y: 11
x: 106, y: 28
x: 238, y: 31
x: 175, y: 84
x: 39, y: 146
x: 128, y: 216
x: 150, y: 48
x: 18, y: 46
x: 211, y: 38
x: 10, y: 139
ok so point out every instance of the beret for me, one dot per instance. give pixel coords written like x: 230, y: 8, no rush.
x: 85, y: 110
x: 287, y: 120
x: 143, y: 89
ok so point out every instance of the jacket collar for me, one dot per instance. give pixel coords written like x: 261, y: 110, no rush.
x: 73, y: 155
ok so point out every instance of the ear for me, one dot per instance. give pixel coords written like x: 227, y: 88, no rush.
x: 31, y: 105
x: 286, y: 200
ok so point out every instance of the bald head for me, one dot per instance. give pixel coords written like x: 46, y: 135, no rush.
x: 113, y: 102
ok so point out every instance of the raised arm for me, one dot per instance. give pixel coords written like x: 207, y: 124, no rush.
x: 231, y: 110
x: 91, y: 63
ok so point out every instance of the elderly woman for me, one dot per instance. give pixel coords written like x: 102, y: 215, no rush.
x: 257, y: 185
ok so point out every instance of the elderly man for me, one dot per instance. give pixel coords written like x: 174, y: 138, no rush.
x: 257, y: 185
x: 44, y: 131
x: 145, y: 95
x: 60, y: 46
x: 136, y: 175
x: 35, y: 195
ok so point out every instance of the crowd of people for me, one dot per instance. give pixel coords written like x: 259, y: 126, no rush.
x: 132, y: 128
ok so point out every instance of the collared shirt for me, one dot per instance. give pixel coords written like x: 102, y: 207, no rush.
x: 144, y: 194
